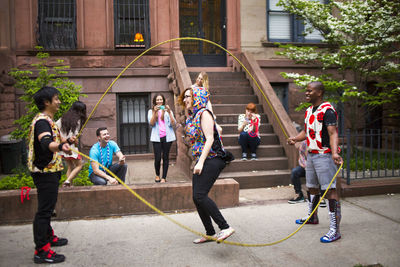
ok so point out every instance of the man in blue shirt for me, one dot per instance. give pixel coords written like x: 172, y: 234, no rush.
x: 103, y: 152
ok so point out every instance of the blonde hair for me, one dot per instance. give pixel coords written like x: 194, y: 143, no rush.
x: 205, y: 79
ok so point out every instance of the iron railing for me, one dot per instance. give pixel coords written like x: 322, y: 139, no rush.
x: 131, y: 24
x: 57, y: 24
x: 134, y: 133
x: 370, y: 154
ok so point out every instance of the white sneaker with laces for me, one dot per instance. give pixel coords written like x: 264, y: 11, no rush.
x: 224, y: 234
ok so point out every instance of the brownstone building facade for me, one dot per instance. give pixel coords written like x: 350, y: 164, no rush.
x: 99, y: 38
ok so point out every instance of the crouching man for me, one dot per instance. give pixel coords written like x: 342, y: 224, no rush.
x: 102, y: 152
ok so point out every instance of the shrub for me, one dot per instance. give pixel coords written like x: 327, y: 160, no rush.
x: 22, y: 177
x: 46, y: 76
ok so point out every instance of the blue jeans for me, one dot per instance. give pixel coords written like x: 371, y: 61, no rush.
x: 246, y: 141
x: 297, y: 173
x: 116, y: 168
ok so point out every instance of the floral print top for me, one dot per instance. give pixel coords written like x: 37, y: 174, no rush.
x: 193, y: 123
x: 55, y: 164
x: 196, y: 136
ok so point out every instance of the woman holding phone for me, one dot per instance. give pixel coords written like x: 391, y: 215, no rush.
x: 161, y: 119
x: 248, y: 125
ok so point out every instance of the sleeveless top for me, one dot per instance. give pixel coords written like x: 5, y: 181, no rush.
x: 196, y: 135
x: 313, y: 127
x: 55, y: 164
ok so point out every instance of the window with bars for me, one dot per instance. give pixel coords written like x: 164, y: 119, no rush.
x: 57, y: 24
x: 285, y: 27
x: 131, y: 23
x: 134, y: 135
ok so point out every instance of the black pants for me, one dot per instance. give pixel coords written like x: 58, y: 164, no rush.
x: 164, y: 147
x: 206, y: 207
x: 295, y: 176
x: 47, y: 193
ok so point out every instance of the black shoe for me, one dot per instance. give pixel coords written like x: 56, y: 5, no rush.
x: 58, y: 241
x: 46, y: 255
x: 298, y: 199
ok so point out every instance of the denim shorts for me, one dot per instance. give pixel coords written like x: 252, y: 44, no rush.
x: 320, y: 170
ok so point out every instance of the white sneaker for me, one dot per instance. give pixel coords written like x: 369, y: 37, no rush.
x: 224, y: 234
x: 204, y: 240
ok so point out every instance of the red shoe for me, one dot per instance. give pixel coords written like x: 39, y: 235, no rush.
x: 312, y: 220
x: 58, y: 241
x: 46, y: 255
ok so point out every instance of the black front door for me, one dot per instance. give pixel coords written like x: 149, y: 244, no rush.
x: 203, y: 19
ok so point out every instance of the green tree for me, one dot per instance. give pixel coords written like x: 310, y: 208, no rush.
x: 43, y: 75
x: 363, y: 38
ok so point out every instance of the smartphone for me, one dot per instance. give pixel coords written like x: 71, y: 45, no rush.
x: 162, y: 107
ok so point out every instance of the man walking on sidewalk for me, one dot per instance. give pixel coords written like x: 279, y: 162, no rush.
x: 322, y: 145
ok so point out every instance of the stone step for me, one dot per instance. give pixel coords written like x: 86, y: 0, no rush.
x: 224, y: 118
x: 228, y: 84
x: 231, y: 90
x: 220, y: 75
x: 233, y: 99
x: 262, y: 150
x: 233, y: 128
x: 234, y: 108
x: 258, y: 179
x: 261, y: 164
x: 230, y: 94
x: 266, y: 139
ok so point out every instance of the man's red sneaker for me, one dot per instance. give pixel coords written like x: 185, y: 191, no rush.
x: 46, y: 255
x: 56, y: 241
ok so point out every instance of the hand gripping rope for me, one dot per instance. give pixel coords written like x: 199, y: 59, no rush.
x: 155, y: 208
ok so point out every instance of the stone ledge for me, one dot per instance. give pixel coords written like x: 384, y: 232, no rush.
x: 367, y: 187
x: 102, y: 201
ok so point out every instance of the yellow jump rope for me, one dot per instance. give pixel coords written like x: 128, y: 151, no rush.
x: 155, y: 208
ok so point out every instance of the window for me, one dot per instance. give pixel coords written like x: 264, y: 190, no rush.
x: 57, y: 24
x: 281, y: 91
x: 285, y: 27
x: 134, y: 132
x: 131, y: 23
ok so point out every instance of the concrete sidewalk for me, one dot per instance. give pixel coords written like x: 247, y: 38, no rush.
x: 370, y: 234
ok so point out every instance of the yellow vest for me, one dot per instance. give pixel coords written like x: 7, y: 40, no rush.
x: 55, y: 164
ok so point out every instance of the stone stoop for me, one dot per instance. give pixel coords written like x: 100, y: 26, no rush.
x: 230, y: 93
x: 81, y: 202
